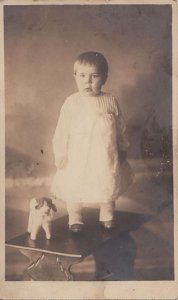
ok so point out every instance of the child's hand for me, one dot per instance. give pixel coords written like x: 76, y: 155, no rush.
x: 122, y: 156
x: 60, y: 164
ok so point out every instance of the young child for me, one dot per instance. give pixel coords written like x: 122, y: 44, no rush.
x: 89, y: 144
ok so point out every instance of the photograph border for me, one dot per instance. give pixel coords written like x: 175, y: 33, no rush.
x: 90, y: 290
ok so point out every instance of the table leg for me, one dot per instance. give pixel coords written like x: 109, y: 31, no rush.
x: 40, y: 262
x: 33, y: 265
x: 65, y: 265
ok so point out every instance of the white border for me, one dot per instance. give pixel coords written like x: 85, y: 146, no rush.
x: 91, y: 290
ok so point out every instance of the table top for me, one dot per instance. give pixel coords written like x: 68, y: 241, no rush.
x: 66, y: 243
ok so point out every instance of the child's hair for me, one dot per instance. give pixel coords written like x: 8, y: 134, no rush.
x: 92, y: 58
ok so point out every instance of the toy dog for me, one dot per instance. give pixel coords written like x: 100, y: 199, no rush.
x: 40, y: 216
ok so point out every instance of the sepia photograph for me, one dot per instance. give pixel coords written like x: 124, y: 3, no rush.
x: 89, y: 180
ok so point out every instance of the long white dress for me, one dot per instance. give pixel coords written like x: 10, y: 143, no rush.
x: 89, y: 134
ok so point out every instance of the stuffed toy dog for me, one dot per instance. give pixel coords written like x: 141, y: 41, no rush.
x: 40, y: 216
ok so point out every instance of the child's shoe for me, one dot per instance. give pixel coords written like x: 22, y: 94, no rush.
x: 76, y: 228
x: 108, y: 224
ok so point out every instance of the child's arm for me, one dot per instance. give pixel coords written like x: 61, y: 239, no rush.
x: 61, y: 137
x: 123, y: 142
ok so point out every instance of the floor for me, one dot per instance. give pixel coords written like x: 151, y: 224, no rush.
x: 144, y: 252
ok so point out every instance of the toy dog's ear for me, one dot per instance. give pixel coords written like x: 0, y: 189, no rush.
x: 50, y: 204
x: 53, y: 207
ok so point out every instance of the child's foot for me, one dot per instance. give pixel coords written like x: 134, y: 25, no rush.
x: 108, y: 224
x: 76, y: 228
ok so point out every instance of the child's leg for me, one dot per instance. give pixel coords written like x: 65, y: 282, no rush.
x: 107, y: 211
x: 75, y: 213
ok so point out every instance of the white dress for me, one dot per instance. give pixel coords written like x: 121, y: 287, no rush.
x: 88, y: 136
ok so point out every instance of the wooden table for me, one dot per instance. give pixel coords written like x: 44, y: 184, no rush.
x: 68, y: 248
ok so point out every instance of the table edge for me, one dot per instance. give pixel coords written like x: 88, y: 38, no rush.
x: 45, y: 251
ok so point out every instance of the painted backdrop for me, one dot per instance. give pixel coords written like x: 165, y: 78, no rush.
x: 41, y: 44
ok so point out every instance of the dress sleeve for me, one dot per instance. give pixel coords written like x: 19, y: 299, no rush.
x: 123, y: 142
x: 61, y: 135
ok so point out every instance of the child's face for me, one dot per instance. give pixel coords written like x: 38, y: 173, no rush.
x: 88, y: 79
